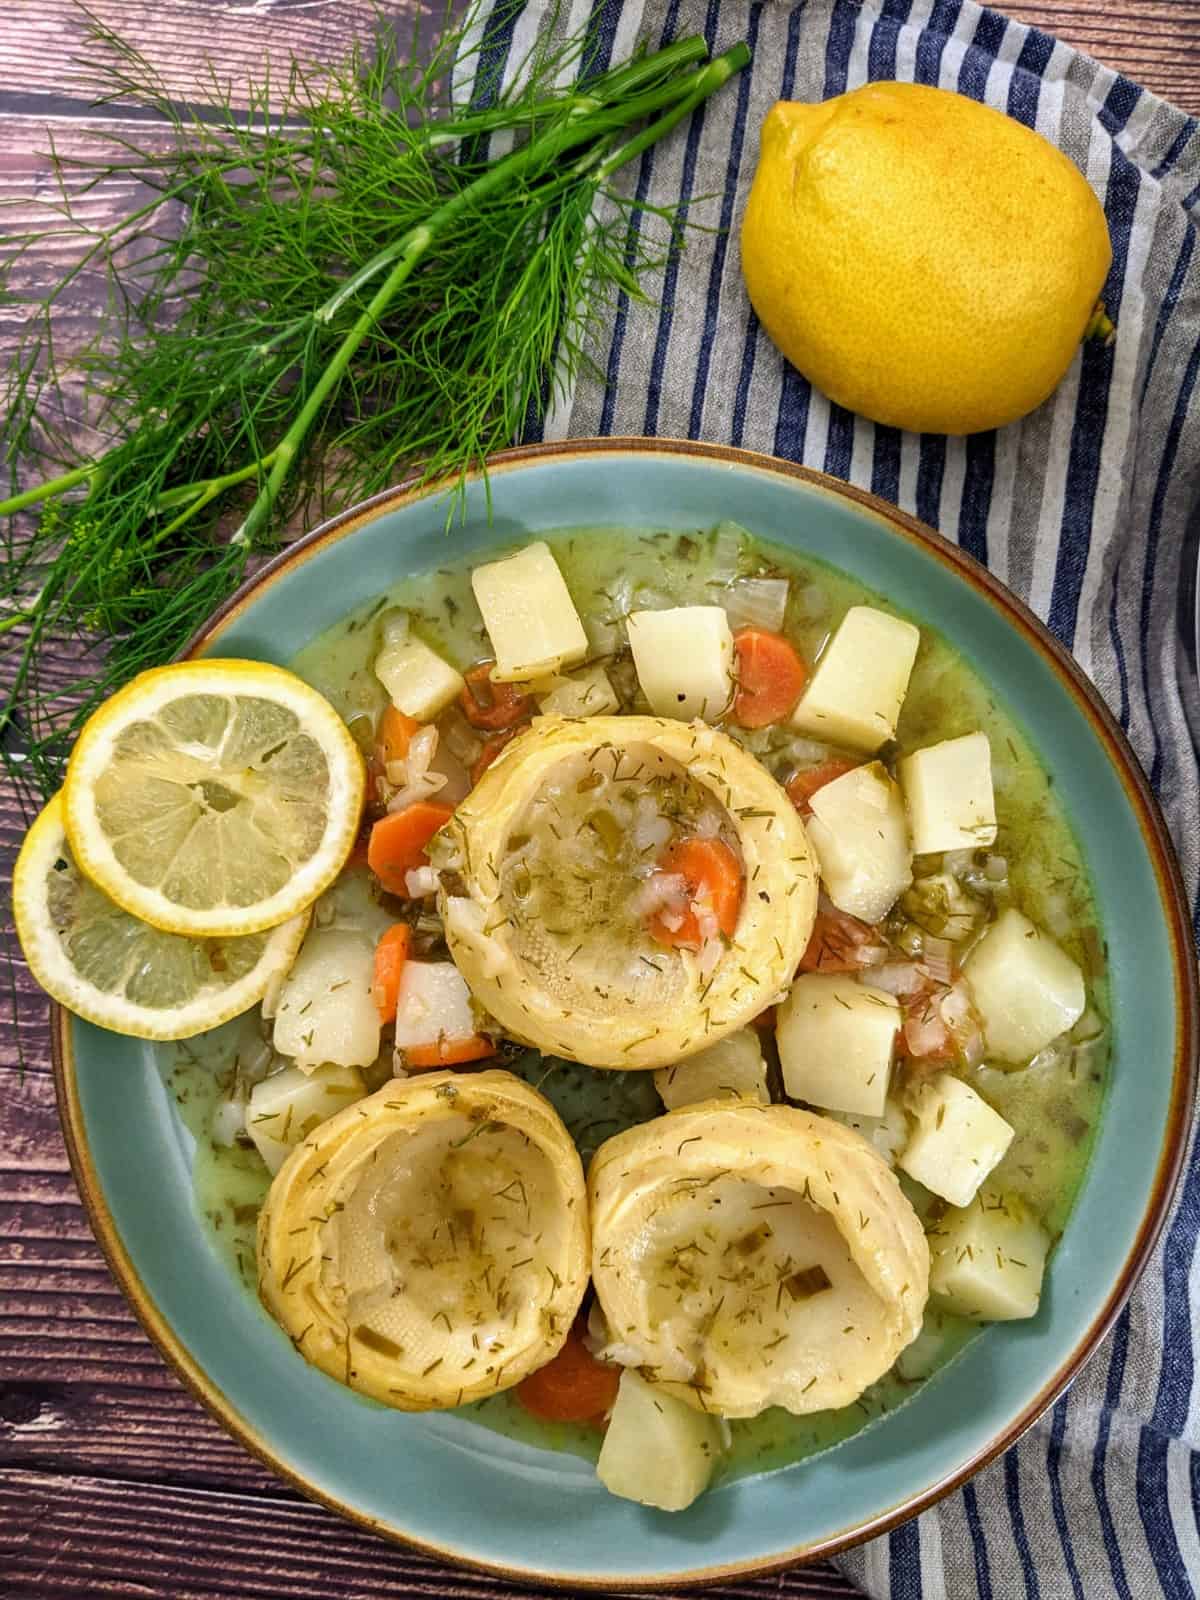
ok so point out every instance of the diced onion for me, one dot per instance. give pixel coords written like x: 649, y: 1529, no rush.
x: 708, y: 824
x: 972, y: 1048
x: 228, y: 1121
x: 1058, y: 914
x: 813, y: 600
x: 756, y: 603
x: 900, y: 978
x: 420, y: 882
x: 393, y: 628
x: 938, y: 957
x: 665, y: 894
x: 459, y: 738
x: 729, y: 542
x: 924, y: 1031
x: 805, y: 752
x: 651, y: 830
x: 995, y: 868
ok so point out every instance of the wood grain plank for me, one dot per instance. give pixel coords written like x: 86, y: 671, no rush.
x: 80, y: 1536
x: 187, y: 43
x: 113, y: 1480
x: 1154, y: 42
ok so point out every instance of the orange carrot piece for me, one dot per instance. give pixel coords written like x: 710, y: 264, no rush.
x: 398, y: 842
x: 390, y: 955
x: 493, y: 705
x: 449, y: 1052
x: 573, y: 1387
x: 770, y: 676
x: 713, y: 877
x: 395, y: 734
x: 802, y: 785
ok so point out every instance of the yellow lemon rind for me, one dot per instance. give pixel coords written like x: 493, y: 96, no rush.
x: 150, y: 692
x: 50, y: 966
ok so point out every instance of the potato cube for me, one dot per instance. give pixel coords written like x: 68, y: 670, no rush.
x: 855, y: 694
x: 419, y: 681
x: 529, y: 615
x: 860, y: 833
x: 836, y: 1039
x: 326, y: 1012
x: 684, y: 660
x: 433, y: 1003
x: 948, y: 790
x: 957, y: 1141
x: 733, y: 1066
x: 657, y: 1449
x: 287, y: 1106
x: 584, y: 694
x: 987, y: 1260
x: 1026, y: 989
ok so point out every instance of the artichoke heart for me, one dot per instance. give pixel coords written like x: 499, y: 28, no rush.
x: 547, y: 875
x: 748, y: 1256
x: 429, y: 1245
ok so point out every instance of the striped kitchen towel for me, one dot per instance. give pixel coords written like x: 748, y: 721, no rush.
x: 1081, y: 509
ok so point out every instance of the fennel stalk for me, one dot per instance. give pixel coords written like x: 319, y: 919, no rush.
x: 315, y: 300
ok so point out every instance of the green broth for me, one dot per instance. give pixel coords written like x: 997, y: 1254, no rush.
x: 1054, y: 1107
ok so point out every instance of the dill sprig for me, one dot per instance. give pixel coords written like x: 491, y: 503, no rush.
x: 332, y: 287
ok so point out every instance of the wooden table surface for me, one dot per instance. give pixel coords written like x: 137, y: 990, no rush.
x: 113, y: 1480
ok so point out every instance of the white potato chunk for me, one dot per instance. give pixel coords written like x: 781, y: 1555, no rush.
x: 584, y: 694
x: 287, y: 1106
x: 957, y: 1141
x: 433, y: 1003
x: 684, y: 660
x: 855, y: 694
x: 948, y: 790
x: 860, y: 833
x: 419, y: 681
x: 887, y: 1134
x: 1026, y: 989
x: 657, y: 1450
x: 326, y: 1012
x: 529, y: 615
x: 734, y: 1066
x: 836, y: 1039
x: 987, y: 1260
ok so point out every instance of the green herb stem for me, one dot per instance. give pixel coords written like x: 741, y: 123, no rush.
x: 356, y: 292
x: 581, y: 127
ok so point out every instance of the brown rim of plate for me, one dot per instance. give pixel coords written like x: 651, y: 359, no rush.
x: 1187, y: 1038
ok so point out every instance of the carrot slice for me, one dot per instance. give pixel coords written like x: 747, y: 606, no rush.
x: 573, y: 1387
x: 398, y: 842
x: 390, y: 955
x: 395, y: 734
x: 490, y: 751
x: 449, y: 1052
x: 713, y: 878
x: 802, y: 785
x: 493, y: 705
x: 837, y: 943
x: 770, y: 676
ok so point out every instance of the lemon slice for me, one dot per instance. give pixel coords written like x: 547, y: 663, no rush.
x: 214, y: 797
x: 105, y: 965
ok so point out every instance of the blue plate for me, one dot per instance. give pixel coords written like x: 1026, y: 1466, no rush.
x: 455, y: 1489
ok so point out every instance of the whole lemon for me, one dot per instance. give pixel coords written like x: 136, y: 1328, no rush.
x: 925, y: 260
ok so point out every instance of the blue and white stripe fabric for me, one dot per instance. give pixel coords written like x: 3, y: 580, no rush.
x: 1080, y: 508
